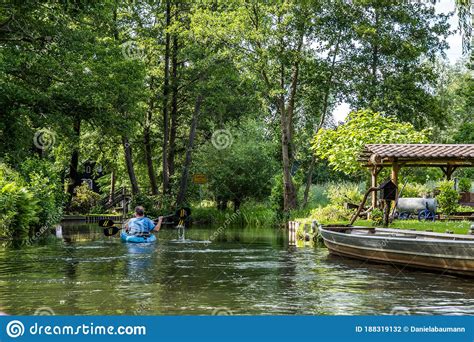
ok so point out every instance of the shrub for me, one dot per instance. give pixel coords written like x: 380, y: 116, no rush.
x: 84, y: 200
x: 376, y: 216
x: 448, y: 197
x: 258, y: 215
x: 276, y: 196
x: 416, y: 190
x: 339, y: 193
x: 317, y: 195
x: 47, y: 188
x: 464, y: 185
x: 149, y: 202
x: 18, y: 206
x: 331, y: 214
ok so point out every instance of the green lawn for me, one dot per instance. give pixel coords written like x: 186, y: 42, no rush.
x: 458, y: 227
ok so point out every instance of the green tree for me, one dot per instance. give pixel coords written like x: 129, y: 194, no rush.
x: 448, y: 197
x: 242, y: 170
x: 342, y: 145
x: 389, y: 61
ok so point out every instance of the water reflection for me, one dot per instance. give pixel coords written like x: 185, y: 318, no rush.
x: 246, y: 271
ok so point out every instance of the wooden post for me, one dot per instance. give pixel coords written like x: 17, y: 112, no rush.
x: 374, y: 172
x: 394, y: 178
x: 386, y: 212
x: 448, y: 171
x: 292, y: 228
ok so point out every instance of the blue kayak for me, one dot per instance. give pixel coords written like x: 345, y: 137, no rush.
x: 137, y: 239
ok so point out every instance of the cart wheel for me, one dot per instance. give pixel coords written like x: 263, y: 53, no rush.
x: 404, y: 215
x: 426, y: 215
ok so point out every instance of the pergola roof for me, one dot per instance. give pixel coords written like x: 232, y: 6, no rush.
x: 418, y: 155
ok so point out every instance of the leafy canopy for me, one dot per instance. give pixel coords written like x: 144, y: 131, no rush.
x: 342, y: 145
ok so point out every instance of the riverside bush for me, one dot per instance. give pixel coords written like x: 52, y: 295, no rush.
x: 340, y: 193
x: 448, y: 197
x: 43, y: 181
x: 331, y: 214
x: 464, y: 185
x: 19, y: 208
x: 84, y: 200
x: 416, y: 190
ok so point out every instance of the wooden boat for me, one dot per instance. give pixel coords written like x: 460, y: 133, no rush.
x: 442, y: 252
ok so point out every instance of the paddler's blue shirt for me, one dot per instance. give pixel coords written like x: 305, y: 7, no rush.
x: 140, y: 225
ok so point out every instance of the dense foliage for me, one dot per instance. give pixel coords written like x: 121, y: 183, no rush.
x: 465, y: 185
x: 342, y: 146
x: 243, y: 170
x: 448, y: 197
x: 84, y: 200
x: 30, y: 199
x: 142, y: 91
x: 18, y: 206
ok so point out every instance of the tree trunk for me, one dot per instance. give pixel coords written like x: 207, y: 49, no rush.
x: 237, y: 203
x: 286, y: 113
x: 309, y: 179
x: 375, y: 60
x: 174, y: 106
x: 165, y: 100
x: 149, y: 150
x: 129, y: 163
x: 74, y: 161
x: 289, y: 191
x: 187, y: 162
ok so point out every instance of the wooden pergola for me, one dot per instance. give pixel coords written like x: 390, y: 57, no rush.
x: 448, y: 157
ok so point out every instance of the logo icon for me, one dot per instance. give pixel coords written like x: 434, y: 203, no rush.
x: 131, y: 50
x: 44, y: 139
x: 400, y: 311
x: 15, y: 329
x: 221, y: 139
x: 222, y: 312
x: 44, y: 311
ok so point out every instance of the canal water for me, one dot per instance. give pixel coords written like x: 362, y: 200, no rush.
x: 242, y: 271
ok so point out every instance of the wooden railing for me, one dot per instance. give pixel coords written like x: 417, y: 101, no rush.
x: 118, y: 196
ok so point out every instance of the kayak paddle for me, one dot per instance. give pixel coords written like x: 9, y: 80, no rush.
x: 109, y: 227
x: 182, y: 215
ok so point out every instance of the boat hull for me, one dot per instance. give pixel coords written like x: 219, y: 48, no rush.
x: 137, y: 239
x: 429, y: 253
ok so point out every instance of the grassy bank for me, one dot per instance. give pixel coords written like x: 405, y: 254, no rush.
x: 261, y: 215
x: 252, y: 214
x: 458, y: 227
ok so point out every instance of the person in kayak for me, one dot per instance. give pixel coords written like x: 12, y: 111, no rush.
x: 142, y: 225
